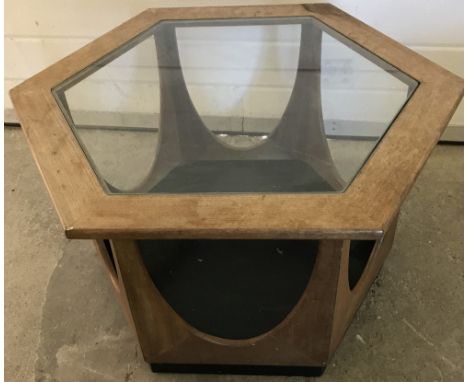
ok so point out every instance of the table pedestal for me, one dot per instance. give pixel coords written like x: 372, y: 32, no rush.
x: 242, y: 306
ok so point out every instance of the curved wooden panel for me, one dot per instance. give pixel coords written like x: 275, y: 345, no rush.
x: 189, y: 157
x: 348, y: 301
x: 301, y: 131
x: 301, y: 339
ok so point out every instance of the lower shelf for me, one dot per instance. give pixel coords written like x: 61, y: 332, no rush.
x: 257, y: 176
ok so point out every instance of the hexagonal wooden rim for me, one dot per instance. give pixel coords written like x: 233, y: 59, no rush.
x: 364, y: 211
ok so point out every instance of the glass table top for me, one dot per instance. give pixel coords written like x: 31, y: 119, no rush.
x: 231, y: 106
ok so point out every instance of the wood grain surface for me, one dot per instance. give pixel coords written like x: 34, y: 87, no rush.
x: 301, y: 339
x: 365, y: 210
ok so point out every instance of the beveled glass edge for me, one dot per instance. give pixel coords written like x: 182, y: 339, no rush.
x: 59, y: 90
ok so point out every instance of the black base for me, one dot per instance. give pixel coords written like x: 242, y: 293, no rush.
x: 303, y: 371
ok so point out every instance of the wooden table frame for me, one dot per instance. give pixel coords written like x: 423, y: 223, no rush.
x: 367, y: 210
x: 301, y: 344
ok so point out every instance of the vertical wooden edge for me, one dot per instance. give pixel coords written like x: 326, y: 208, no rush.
x: 115, y: 280
x: 348, y: 301
x: 157, y: 327
x: 343, y: 295
x: 103, y: 254
x: 331, y: 274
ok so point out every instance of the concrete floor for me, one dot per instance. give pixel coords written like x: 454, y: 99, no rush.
x: 63, y: 324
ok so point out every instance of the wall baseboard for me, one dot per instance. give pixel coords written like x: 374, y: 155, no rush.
x: 453, y: 133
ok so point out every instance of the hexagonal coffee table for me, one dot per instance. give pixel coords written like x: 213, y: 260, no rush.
x: 241, y: 170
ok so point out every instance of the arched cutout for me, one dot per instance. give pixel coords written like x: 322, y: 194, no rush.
x: 239, y: 76
x: 359, y: 254
x: 233, y: 289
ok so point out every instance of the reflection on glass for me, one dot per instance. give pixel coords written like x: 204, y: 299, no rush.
x: 248, y: 105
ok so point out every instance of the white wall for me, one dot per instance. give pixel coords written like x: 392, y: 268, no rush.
x: 38, y: 33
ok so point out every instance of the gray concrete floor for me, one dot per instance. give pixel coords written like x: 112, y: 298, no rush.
x: 63, y: 324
